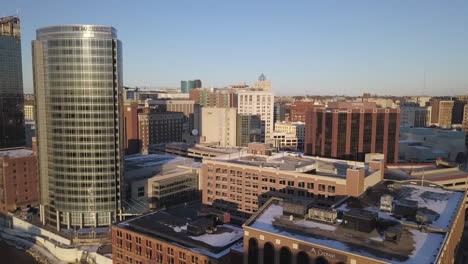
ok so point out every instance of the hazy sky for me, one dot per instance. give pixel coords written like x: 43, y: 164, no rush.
x: 303, y: 47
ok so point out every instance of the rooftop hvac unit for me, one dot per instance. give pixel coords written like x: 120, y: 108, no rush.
x: 386, y: 203
x: 323, y: 214
x: 360, y: 220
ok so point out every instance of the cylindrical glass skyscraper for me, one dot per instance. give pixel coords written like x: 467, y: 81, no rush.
x: 77, y: 81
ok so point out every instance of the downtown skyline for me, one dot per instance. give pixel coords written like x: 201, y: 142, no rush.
x: 317, y: 48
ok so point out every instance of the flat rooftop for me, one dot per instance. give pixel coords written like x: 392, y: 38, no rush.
x: 16, y: 152
x: 430, y: 172
x: 171, y: 227
x: 139, y: 161
x: 414, y: 245
x: 285, y: 161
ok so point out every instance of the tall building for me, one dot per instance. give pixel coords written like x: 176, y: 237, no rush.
x: 78, y: 86
x: 441, y: 113
x: 187, y: 86
x: 349, y: 131
x: 249, y: 129
x: 19, y: 182
x: 11, y: 84
x: 258, y: 102
x: 279, y: 112
x: 298, y: 110
x: 218, y: 125
x: 262, y: 83
x: 131, y: 142
x: 457, y: 112
x: 213, y: 98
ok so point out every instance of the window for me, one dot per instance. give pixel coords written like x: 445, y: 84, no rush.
x: 141, y: 191
x: 301, y: 184
x: 310, y: 185
x: 290, y: 183
x: 331, y: 189
x: 322, y: 187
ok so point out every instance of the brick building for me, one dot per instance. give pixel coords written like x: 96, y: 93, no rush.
x: 19, y: 180
x: 441, y: 113
x: 298, y: 110
x: 240, y: 183
x: 214, y: 98
x: 178, y: 237
x: 393, y: 222
x: 159, y: 127
x: 349, y: 131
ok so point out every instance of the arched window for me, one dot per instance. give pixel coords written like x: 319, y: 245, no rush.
x: 268, y: 253
x: 321, y: 260
x: 285, y: 256
x: 253, y: 251
x: 302, y: 258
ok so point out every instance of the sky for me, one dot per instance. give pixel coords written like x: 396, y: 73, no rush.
x: 315, y: 47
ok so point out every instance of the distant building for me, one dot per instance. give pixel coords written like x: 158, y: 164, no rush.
x: 213, y: 98
x: 177, y: 236
x: 159, y: 127
x: 262, y: 83
x: 258, y: 102
x: 279, y: 112
x: 298, y: 110
x: 29, y: 112
x: 284, y: 141
x: 19, y: 180
x: 187, y: 86
x: 351, y: 130
x: 413, y: 115
x: 11, y: 84
x: 380, y: 226
x: 188, y: 107
x: 249, y: 129
x: 441, y: 113
x: 239, y: 184
x: 30, y: 132
x: 197, y: 151
x: 132, y: 141
x: 218, y: 126
x: 295, y: 128
x: 458, y: 111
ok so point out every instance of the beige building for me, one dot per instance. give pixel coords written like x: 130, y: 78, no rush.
x: 258, y: 102
x: 295, y: 128
x: 284, y: 141
x: 218, y: 125
x: 29, y: 112
x: 441, y: 113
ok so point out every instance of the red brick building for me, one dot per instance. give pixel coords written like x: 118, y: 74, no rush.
x: 350, y: 131
x: 241, y: 183
x: 298, y: 110
x: 131, y: 138
x: 165, y: 237
x: 211, y: 98
x: 19, y: 180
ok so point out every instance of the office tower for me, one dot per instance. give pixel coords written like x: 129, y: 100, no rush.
x: 457, y: 111
x: 218, y: 125
x: 19, y: 182
x: 413, y: 115
x: 279, y: 112
x: 249, y: 129
x: 441, y: 113
x: 187, y: 86
x: 257, y: 102
x: 131, y: 141
x: 351, y: 130
x: 78, y: 86
x: 11, y: 84
x: 262, y: 83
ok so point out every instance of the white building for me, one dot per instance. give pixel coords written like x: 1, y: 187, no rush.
x: 283, y: 141
x: 296, y: 129
x: 258, y: 102
x: 218, y: 125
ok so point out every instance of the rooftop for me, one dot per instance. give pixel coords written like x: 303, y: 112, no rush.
x: 139, y: 161
x: 171, y: 227
x: 430, y: 172
x: 413, y: 246
x: 16, y: 152
x: 286, y: 161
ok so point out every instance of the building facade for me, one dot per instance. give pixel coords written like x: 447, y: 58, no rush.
x: 187, y: 86
x: 279, y: 112
x: 77, y: 84
x: 11, y: 84
x: 441, y: 113
x: 19, y: 181
x: 218, y: 126
x: 350, y: 133
x: 294, y: 128
x: 249, y: 129
x: 413, y: 115
x: 159, y: 127
x: 258, y: 102
x: 213, y: 98
x: 298, y: 110
x: 239, y: 185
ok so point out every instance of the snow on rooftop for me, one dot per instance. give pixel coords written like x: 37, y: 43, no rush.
x: 221, y: 239
x: 153, y: 159
x: 15, y: 153
x: 426, y: 247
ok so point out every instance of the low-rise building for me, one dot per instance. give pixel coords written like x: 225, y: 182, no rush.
x: 392, y: 222
x: 19, y: 180
x: 284, y: 141
x: 295, y: 128
x: 239, y: 184
x: 218, y: 126
x: 176, y: 237
x: 157, y: 181
x: 249, y: 129
x: 197, y: 151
